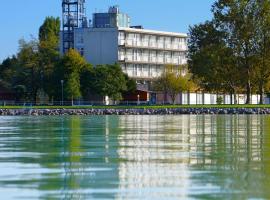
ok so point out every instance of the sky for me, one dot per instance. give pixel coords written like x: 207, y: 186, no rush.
x: 22, y: 18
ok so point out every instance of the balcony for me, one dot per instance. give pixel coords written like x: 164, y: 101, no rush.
x: 152, y: 45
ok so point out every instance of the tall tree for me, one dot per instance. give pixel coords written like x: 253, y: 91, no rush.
x: 49, y: 31
x: 212, y: 62
x: 236, y: 19
x: 8, y: 72
x: 69, y: 70
x: 262, y: 31
x: 49, y: 51
x: 29, y: 71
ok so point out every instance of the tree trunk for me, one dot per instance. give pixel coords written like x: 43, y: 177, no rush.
x: 248, y: 92
x: 235, y: 98
x: 173, y: 97
x: 261, y: 90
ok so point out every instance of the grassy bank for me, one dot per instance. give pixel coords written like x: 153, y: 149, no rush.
x: 135, y: 107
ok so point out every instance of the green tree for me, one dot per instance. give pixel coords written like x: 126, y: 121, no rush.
x: 109, y: 80
x: 236, y: 18
x: 212, y: 63
x: 172, y: 82
x: 86, y: 79
x: 69, y: 69
x: 262, y: 71
x: 49, y: 52
x: 131, y: 84
x: 29, y: 71
x: 7, y: 72
x: 49, y: 31
x: 73, y: 86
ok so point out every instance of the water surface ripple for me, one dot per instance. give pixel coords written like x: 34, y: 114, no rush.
x: 135, y: 157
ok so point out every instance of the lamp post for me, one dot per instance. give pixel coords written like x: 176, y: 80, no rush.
x: 62, y: 84
x: 138, y: 99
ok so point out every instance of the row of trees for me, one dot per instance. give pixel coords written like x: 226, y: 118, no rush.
x: 231, y: 53
x: 38, y: 68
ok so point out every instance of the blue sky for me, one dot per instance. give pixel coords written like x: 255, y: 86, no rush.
x: 22, y: 18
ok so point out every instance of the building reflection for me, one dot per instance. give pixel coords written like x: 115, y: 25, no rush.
x: 183, y: 153
x: 138, y: 157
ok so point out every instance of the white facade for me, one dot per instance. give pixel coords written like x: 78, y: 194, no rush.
x: 142, y: 54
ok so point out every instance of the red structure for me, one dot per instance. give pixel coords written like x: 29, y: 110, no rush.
x: 6, y: 95
x: 138, y: 95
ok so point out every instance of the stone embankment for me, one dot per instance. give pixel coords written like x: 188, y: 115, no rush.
x: 161, y: 111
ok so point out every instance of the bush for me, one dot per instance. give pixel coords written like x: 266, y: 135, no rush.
x: 219, y: 100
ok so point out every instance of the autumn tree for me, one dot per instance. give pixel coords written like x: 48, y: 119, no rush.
x: 172, y: 81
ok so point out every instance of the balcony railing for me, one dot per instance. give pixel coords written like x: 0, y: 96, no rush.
x: 152, y: 45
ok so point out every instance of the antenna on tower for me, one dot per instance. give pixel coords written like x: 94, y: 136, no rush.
x: 73, y: 16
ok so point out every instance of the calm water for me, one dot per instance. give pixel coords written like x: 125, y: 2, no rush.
x: 135, y: 157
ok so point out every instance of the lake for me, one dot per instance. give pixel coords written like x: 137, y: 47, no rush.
x: 135, y: 157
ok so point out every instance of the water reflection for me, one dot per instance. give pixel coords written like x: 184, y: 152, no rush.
x: 195, y: 156
x: 131, y: 157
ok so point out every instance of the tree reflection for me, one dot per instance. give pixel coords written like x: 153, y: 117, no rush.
x: 197, y: 156
x: 112, y: 157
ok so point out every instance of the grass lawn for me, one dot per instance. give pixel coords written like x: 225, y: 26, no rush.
x: 136, y: 107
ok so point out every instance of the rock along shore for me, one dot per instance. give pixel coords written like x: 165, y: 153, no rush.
x: 161, y: 111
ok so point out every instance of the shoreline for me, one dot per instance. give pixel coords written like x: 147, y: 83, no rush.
x: 133, y: 111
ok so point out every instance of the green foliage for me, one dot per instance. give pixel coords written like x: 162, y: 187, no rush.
x: 49, y: 52
x: 106, y: 80
x: 237, y: 19
x: 109, y: 80
x: 49, y: 30
x: 262, y: 68
x: 69, y: 70
x: 7, y: 69
x: 39, y: 67
x: 86, y: 78
x: 131, y: 84
x: 219, y: 100
x: 172, y: 82
x: 29, y: 70
x: 231, y: 52
x: 211, y: 62
x: 73, y: 86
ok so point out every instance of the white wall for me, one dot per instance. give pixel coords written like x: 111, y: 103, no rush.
x: 209, y: 99
x: 101, y: 45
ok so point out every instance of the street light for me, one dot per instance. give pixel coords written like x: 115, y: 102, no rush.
x: 62, y: 84
x: 138, y: 99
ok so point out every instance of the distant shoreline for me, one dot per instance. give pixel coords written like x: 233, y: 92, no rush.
x: 132, y: 111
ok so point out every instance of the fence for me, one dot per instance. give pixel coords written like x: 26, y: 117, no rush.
x: 204, y: 99
x: 154, y: 98
x: 75, y: 103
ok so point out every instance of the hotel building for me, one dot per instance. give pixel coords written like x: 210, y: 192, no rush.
x: 142, y: 54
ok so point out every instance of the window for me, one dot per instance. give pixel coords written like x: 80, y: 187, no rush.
x: 82, y: 51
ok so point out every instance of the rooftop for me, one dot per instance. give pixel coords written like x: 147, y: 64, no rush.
x: 154, y: 32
